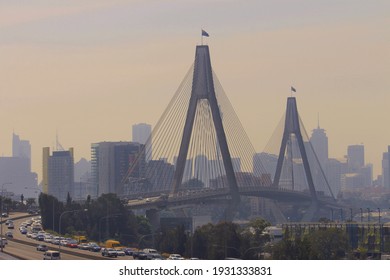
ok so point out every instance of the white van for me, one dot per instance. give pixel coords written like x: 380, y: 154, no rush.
x: 51, y: 255
x: 150, y: 251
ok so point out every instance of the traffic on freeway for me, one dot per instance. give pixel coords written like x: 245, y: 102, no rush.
x: 24, y: 238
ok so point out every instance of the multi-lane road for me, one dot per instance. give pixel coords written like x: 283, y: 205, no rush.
x: 21, y: 247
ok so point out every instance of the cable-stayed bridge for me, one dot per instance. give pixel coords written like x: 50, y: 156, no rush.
x: 199, y: 153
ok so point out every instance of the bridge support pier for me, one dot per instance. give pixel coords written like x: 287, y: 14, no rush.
x: 153, y: 216
x: 280, y: 218
x: 311, y: 213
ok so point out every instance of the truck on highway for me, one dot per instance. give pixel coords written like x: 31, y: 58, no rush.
x: 80, y: 239
x: 114, y: 244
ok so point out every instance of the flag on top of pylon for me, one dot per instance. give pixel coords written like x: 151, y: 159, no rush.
x: 204, y: 33
x: 293, y: 89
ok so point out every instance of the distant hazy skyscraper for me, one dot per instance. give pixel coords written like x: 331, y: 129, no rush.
x: 141, y: 133
x: 265, y: 161
x: 201, y: 167
x: 20, y: 148
x: 386, y: 169
x: 236, y: 162
x: 355, y: 155
x: 319, y: 141
x: 58, y: 173
x: 110, y: 162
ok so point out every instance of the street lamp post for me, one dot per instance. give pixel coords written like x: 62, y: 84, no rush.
x: 146, y: 235
x: 59, y: 226
x: 100, y: 223
x: 361, y: 215
x: 368, y: 214
x: 1, y: 216
x: 40, y: 191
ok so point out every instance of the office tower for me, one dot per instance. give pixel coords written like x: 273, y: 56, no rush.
x: 21, y: 148
x: 386, y: 169
x: 17, y: 170
x: 141, y: 133
x: 58, y: 173
x: 201, y: 167
x: 334, y: 171
x: 319, y: 141
x: 265, y: 161
x: 110, y: 162
x: 236, y: 162
x: 355, y: 156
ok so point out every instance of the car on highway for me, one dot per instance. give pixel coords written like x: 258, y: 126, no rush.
x: 72, y: 244
x: 64, y: 242
x: 9, y: 234
x: 40, y: 237
x: 93, y: 247
x: 120, y: 252
x: 51, y: 255
x: 4, y: 215
x: 4, y: 241
x: 42, y: 247
x: 175, y: 257
x: 154, y: 256
x: 129, y: 251
x: 11, y: 226
x: 139, y: 255
x: 109, y: 252
x: 83, y: 246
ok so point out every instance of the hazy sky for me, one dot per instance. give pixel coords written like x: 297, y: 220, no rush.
x: 91, y: 69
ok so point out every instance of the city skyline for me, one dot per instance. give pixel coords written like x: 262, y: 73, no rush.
x: 84, y: 69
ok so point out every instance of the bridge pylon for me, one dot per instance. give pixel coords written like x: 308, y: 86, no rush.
x: 292, y: 129
x: 203, y: 89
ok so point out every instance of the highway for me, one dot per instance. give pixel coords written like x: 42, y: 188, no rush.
x: 21, y: 247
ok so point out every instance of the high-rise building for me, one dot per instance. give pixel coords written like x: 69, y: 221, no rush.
x: 58, y: 173
x: 355, y: 156
x: 201, y: 169
x: 141, y: 133
x: 319, y: 141
x: 334, y: 171
x: 17, y: 170
x: 386, y: 169
x: 110, y: 162
x: 236, y: 162
x: 265, y: 161
x: 21, y: 148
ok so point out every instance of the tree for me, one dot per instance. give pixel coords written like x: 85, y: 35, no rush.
x: 321, y: 244
x: 30, y: 202
x: 254, y: 238
x: 215, y: 242
x: 328, y: 244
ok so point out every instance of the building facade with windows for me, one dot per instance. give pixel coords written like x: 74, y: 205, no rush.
x: 58, y: 173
